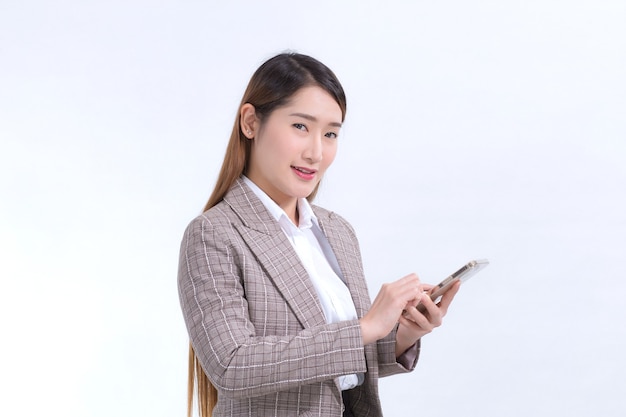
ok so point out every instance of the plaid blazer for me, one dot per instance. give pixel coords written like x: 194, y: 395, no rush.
x: 255, y: 321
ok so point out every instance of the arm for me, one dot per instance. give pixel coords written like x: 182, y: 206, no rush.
x: 213, y: 268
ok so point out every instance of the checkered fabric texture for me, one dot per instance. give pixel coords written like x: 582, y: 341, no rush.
x: 255, y: 321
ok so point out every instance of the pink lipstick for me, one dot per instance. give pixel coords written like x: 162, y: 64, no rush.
x: 304, y: 173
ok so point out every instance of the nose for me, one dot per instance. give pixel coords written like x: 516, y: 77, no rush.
x: 314, y: 151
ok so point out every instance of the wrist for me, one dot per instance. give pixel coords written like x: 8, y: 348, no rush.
x: 404, y: 341
x: 367, y: 332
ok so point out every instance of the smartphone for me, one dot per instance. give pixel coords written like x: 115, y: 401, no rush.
x: 463, y: 274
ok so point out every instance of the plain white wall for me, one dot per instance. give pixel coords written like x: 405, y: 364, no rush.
x: 479, y: 129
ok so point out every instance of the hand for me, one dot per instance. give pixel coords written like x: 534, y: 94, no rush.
x: 388, y: 306
x: 414, y: 325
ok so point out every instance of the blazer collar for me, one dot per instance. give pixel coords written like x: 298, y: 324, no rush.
x: 250, y: 209
x: 273, y: 251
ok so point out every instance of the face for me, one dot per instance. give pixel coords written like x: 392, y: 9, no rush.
x: 294, y: 146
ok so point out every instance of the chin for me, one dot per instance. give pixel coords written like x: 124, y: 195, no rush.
x: 302, y: 190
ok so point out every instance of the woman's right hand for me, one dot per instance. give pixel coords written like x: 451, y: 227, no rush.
x: 387, y: 307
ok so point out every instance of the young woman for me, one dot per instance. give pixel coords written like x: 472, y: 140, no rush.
x: 272, y: 288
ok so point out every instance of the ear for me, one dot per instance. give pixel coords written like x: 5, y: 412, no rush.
x: 248, y: 121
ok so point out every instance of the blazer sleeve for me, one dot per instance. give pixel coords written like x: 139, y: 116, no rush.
x: 214, y: 302
x: 388, y: 364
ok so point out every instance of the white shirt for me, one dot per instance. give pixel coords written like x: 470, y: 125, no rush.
x: 319, y: 261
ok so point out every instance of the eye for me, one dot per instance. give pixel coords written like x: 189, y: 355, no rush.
x: 331, y: 135
x: 300, y: 126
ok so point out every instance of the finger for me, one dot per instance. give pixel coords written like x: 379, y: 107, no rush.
x: 411, y: 287
x: 402, y: 290
x: 409, y: 324
x: 414, y: 315
x: 448, y: 297
x: 434, y: 313
x: 416, y: 327
x: 403, y: 320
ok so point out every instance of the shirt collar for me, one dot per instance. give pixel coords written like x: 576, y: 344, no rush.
x: 305, y: 211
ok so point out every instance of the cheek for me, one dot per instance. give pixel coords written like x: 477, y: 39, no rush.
x: 267, y: 146
x: 278, y: 143
x: 330, y: 151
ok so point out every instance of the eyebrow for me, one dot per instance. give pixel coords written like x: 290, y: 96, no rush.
x: 313, y: 118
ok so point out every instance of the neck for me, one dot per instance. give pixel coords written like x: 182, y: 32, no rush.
x: 292, y: 212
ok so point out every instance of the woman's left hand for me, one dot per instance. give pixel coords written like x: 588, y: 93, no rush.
x: 413, y: 324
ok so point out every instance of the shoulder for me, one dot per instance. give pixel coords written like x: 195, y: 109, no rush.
x: 227, y: 211
x: 218, y: 217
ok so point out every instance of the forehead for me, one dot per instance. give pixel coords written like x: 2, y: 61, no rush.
x: 315, y: 101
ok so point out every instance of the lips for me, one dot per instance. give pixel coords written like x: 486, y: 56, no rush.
x: 304, y: 170
x: 304, y: 173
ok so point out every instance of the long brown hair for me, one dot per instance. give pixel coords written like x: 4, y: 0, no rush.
x: 271, y: 86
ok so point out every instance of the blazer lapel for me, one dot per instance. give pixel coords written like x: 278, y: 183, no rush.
x: 346, y: 250
x: 274, y: 252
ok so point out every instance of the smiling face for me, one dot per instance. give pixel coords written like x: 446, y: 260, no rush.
x: 293, y: 146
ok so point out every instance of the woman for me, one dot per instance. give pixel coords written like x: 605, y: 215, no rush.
x: 271, y: 288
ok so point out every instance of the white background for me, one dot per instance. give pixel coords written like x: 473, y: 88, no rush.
x: 491, y: 129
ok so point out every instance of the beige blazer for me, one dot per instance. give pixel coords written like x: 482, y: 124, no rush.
x: 256, y: 323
